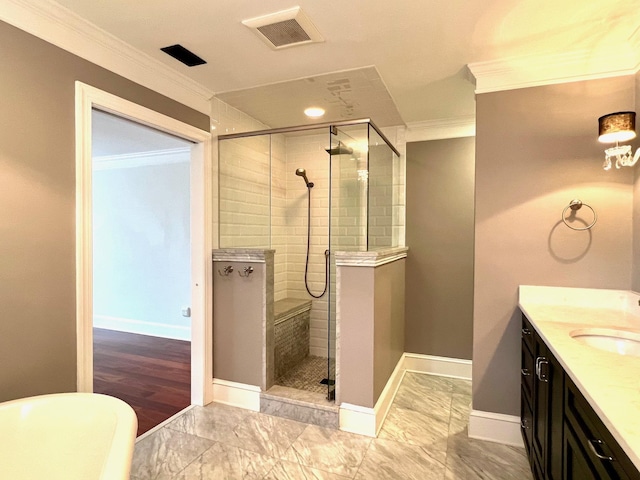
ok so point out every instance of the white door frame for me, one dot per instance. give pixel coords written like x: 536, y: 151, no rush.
x: 87, y: 98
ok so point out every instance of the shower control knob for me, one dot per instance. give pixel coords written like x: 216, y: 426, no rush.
x: 247, y: 271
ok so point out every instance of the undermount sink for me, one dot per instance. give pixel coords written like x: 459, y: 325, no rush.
x: 622, y: 342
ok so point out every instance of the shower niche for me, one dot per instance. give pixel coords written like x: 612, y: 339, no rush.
x: 294, y: 198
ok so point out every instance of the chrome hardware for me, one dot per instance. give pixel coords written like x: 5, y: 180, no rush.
x: 595, y: 452
x: 525, y: 372
x: 247, y: 271
x: 523, y: 424
x: 226, y: 271
x: 525, y: 332
x: 543, y: 376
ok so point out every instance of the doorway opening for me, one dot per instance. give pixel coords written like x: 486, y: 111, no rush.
x: 109, y: 200
x: 141, y: 267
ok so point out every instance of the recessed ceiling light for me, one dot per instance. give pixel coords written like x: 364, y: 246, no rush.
x: 314, y: 112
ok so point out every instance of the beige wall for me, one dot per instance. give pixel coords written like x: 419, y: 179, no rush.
x: 635, y: 282
x: 439, y: 275
x: 371, y: 330
x: 37, y: 196
x: 239, y: 310
x: 536, y: 149
x: 389, y: 324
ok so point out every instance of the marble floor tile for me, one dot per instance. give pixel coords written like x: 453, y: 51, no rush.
x: 229, y: 463
x: 415, y: 428
x: 471, y: 458
x: 434, y: 403
x: 215, y: 421
x: 460, y: 406
x: 294, y: 471
x: 329, y: 450
x: 266, y: 435
x: 422, y: 382
x: 425, y: 437
x: 164, y: 453
x: 461, y: 386
x: 386, y: 459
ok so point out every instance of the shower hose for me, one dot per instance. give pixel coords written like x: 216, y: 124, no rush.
x: 326, y: 255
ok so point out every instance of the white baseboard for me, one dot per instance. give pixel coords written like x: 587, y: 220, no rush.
x: 142, y: 327
x: 368, y: 421
x: 357, y: 419
x: 236, y: 394
x: 495, y: 427
x: 443, y: 366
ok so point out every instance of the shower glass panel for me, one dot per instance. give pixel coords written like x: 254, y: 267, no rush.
x: 382, y: 163
x: 347, y: 215
x: 307, y: 193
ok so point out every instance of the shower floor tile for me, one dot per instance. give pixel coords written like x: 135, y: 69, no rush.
x: 307, y: 375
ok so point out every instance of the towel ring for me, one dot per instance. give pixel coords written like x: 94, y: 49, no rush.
x: 576, y: 205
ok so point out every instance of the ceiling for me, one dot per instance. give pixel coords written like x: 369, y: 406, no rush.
x: 406, y: 58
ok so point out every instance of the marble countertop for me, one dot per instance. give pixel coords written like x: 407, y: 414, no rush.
x: 610, y: 382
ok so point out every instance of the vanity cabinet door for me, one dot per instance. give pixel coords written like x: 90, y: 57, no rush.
x: 526, y: 390
x: 542, y: 380
x: 576, y: 464
x: 589, y: 443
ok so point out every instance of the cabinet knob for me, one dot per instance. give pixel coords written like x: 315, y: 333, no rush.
x: 525, y: 372
x: 523, y: 424
x: 525, y: 332
x: 592, y: 446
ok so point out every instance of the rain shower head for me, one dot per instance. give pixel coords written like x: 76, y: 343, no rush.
x: 301, y: 172
x: 341, y: 149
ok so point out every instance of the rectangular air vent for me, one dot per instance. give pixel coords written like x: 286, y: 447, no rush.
x: 183, y: 55
x: 285, y: 29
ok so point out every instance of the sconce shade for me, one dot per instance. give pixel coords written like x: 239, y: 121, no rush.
x: 617, y: 127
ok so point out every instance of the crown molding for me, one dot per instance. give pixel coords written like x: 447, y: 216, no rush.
x: 439, y: 129
x: 142, y: 159
x: 63, y: 28
x: 536, y: 70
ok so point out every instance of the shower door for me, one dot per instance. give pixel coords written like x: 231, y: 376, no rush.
x: 347, y: 215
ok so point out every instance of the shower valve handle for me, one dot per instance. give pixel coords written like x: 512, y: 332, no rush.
x: 226, y: 271
x: 247, y: 271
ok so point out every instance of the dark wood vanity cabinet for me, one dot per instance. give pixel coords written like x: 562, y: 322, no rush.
x: 563, y: 436
x: 541, y: 405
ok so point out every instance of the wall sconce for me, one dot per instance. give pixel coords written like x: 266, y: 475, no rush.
x: 618, y: 127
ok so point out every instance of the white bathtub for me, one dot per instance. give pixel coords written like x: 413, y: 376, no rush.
x: 66, y: 436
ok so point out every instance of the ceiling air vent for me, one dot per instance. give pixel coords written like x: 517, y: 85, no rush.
x: 285, y: 29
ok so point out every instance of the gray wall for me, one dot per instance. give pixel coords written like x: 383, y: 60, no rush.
x: 37, y: 218
x: 536, y: 149
x: 439, y: 274
x: 371, y: 330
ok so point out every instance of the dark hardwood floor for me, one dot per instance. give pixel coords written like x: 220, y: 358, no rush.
x: 151, y: 374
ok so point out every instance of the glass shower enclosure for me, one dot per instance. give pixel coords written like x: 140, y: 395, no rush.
x: 307, y: 193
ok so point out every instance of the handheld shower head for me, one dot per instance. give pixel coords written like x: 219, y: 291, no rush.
x: 301, y: 172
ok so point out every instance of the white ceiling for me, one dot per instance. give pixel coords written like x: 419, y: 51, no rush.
x: 419, y: 48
